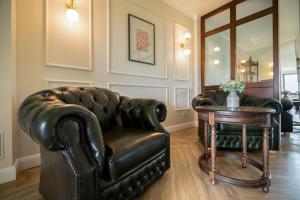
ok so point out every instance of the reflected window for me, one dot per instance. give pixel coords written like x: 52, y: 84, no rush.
x: 217, y: 58
x: 217, y: 20
x: 247, y: 8
x: 254, y: 50
x: 290, y: 83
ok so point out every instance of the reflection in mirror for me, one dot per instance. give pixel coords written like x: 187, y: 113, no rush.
x: 217, y: 20
x: 254, y: 50
x: 250, y: 7
x: 217, y: 58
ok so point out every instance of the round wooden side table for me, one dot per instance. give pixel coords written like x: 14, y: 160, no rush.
x: 244, y: 116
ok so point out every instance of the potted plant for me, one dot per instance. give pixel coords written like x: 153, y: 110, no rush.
x: 233, y: 86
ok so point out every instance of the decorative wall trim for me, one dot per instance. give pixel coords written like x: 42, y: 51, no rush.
x: 47, y: 81
x: 174, y: 52
x: 27, y: 162
x: 46, y: 28
x: 188, y: 99
x: 179, y: 127
x: 109, y: 70
x: 196, y: 45
x: 109, y: 84
x: 1, y: 145
x: 137, y: 75
x: 7, y: 174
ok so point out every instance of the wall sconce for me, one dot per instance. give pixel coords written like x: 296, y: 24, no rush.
x: 217, y: 49
x: 271, y: 64
x: 71, y: 13
x: 185, y: 45
x: 216, y: 62
x: 187, y: 36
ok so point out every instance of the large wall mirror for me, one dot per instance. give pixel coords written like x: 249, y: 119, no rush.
x: 217, y: 51
x: 239, y: 41
x: 254, y: 50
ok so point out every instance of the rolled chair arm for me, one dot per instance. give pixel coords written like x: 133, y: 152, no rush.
x: 273, y: 103
x: 143, y: 113
x: 202, y: 101
x: 287, y: 104
x: 41, y: 117
x: 263, y: 102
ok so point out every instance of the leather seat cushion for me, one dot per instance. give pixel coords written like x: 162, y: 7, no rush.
x: 127, y: 148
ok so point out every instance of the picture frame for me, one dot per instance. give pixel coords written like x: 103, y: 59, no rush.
x: 141, y: 40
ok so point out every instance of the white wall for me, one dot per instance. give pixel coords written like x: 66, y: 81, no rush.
x: 7, y: 87
x: 289, y: 36
x: 288, y: 20
x: 33, y: 75
x: 288, y: 57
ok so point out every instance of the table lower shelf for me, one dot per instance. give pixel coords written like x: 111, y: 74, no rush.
x: 263, y: 182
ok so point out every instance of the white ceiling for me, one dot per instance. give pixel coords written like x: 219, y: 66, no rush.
x: 196, y: 7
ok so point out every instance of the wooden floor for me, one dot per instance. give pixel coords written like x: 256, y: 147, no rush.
x: 185, y: 181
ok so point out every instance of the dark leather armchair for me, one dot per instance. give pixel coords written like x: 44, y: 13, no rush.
x: 96, y: 144
x: 286, y: 116
x: 228, y: 135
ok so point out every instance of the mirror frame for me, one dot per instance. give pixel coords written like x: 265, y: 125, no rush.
x: 271, y: 89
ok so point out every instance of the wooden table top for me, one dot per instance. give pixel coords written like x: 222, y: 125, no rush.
x: 241, y: 109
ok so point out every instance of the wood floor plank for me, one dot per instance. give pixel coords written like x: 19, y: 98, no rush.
x: 185, y: 181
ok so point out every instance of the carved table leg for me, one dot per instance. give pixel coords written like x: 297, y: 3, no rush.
x: 266, y: 172
x: 244, y: 141
x: 213, y: 147
x: 206, y: 140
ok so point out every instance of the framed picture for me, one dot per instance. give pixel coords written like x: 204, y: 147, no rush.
x: 141, y: 35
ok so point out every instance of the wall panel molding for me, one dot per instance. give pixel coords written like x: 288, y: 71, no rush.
x: 181, y: 63
x: 185, y: 100
x: 1, y: 145
x: 60, y: 83
x: 133, y: 72
x: 165, y: 88
x: 68, y: 34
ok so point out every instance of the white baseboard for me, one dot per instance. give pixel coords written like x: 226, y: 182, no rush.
x: 179, y: 127
x: 27, y: 162
x: 7, y: 174
x: 196, y: 123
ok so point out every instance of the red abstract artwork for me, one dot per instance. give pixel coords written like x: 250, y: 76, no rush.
x: 142, y: 40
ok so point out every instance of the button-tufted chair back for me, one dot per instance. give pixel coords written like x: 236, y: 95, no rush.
x: 102, y: 102
x: 96, y: 144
